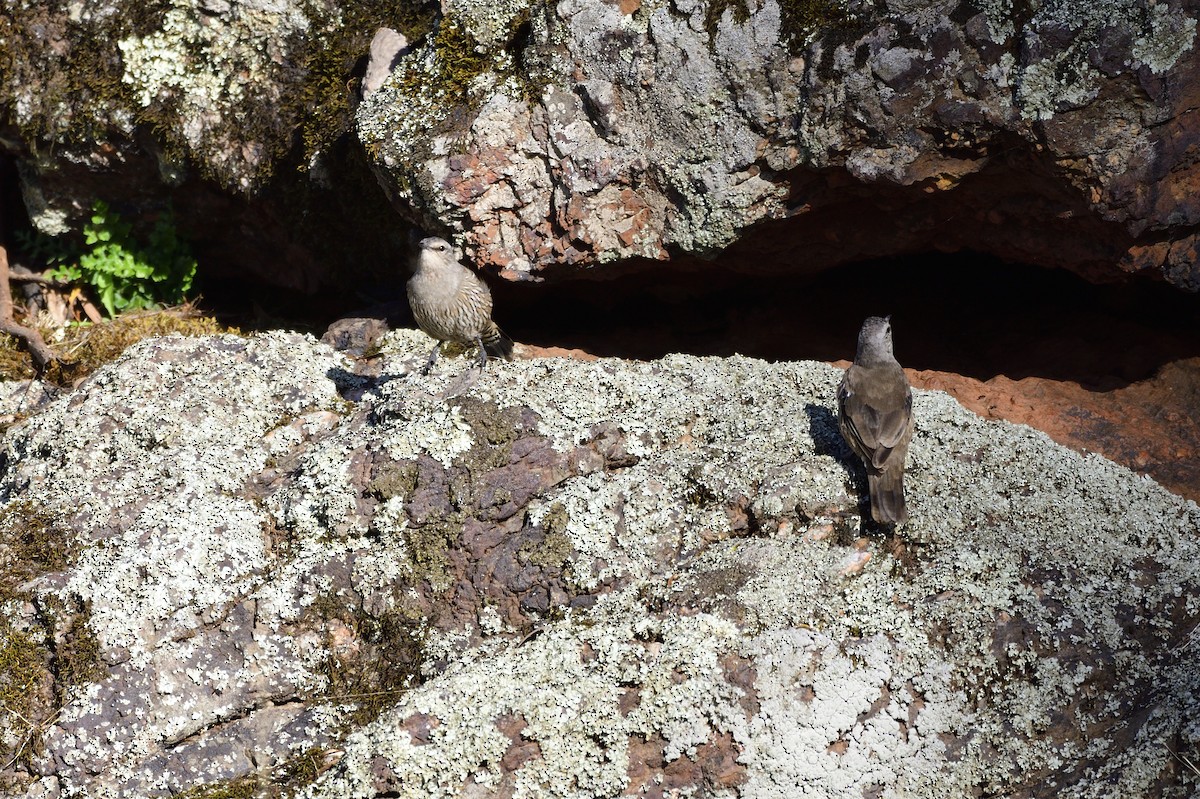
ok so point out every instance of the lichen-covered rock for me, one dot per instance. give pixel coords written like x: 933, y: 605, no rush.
x: 557, y: 578
x: 235, y: 112
x: 584, y: 132
x: 212, y: 76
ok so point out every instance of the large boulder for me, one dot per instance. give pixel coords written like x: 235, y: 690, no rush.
x: 584, y: 133
x: 237, y: 113
x: 545, y: 135
x: 252, y: 565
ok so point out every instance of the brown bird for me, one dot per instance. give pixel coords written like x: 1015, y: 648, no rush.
x: 876, y: 419
x: 451, y: 304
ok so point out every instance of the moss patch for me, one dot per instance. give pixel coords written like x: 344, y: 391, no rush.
x: 437, y: 90
x: 24, y: 675
x: 555, y: 547
x: 453, y: 62
x: 33, y: 541
x: 66, y: 78
x: 494, y: 428
x: 286, y: 779
x: 241, y: 788
x: 395, y: 479
x: 428, y: 549
x: 301, y: 770
x: 373, y: 675
x: 332, y: 82
x: 799, y: 19
x: 75, y: 652
x: 85, y: 348
x: 67, y: 71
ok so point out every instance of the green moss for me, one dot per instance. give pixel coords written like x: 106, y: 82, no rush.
x: 802, y: 18
x: 494, y: 428
x: 286, y: 779
x: 435, y: 83
x: 241, y: 788
x: 428, y: 547
x: 716, y: 9
x: 373, y: 675
x: 457, y: 61
x: 32, y: 542
x: 458, y: 55
x: 42, y: 659
x: 80, y: 87
x: 77, y: 81
x: 556, y: 519
x: 329, y: 87
x: 76, y: 650
x: 555, y: 547
x: 301, y: 770
x: 395, y: 479
x: 798, y: 18
x: 24, y: 675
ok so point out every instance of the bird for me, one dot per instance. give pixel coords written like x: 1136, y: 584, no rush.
x: 876, y: 419
x: 450, y: 303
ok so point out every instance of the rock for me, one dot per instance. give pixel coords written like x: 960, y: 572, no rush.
x: 557, y: 577
x: 1144, y: 426
x: 233, y: 113
x: 575, y: 134
x: 355, y: 336
x: 583, y: 133
x: 386, y: 48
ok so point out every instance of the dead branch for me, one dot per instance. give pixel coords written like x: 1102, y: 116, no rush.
x: 42, y: 355
x: 23, y: 274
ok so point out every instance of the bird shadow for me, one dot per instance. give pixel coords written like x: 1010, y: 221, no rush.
x: 827, y: 440
x: 353, y: 386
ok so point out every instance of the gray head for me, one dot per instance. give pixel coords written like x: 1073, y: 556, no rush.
x: 434, y: 252
x: 875, y: 340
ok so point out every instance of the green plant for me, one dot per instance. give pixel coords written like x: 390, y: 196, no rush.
x: 43, y: 249
x: 125, y: 276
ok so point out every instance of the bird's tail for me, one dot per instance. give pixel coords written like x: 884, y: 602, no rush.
x: 496, y: 343
x: 887, y: 496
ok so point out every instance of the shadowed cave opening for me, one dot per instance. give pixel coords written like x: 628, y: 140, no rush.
x: 965, y: 313
x: 1112, y: 368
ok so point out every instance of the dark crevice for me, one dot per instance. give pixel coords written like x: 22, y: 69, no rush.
x: 963, y: 313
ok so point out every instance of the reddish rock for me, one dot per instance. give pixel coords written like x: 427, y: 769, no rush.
x: 1150, y: 426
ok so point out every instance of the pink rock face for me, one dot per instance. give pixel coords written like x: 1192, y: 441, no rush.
x: 647, y: 133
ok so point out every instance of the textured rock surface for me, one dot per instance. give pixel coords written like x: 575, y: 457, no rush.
x: 582, y: 133
x: 589, y: 132
x: 234, y: 112
x: 560, y: 578
x: 215, y: 78
x: 1147, y: 426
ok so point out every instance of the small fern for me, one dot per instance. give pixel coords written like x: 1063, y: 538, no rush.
x: 127, y: 277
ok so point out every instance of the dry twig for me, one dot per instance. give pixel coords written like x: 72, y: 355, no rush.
x: 42, y: 355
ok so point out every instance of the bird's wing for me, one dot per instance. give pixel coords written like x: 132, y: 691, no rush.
x: 877, y: 415
x: 892, y: 433
x: 477, y: 293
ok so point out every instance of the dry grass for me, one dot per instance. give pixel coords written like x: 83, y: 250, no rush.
x: 83, y: 348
